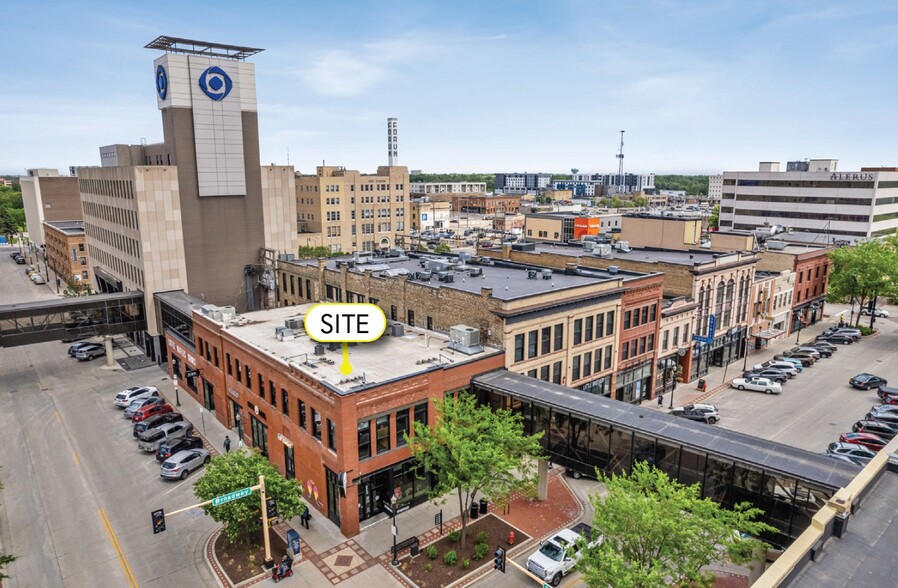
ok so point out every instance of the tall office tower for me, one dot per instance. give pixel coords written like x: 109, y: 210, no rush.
x: 392, y: 141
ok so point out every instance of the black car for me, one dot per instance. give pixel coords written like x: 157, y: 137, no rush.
x: 824, y: 345
x: 778, y: 376
x: 167, y: 450
x: 20, y: 260
x: 155, y: 421
x: 838, y: 338
x: 867, y: 381
x: 884, y: 430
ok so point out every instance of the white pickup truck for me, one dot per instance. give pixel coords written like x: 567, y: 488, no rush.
x: 558, y: 555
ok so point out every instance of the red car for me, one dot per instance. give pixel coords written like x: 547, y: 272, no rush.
x: 889, y: 398
x: 150, y: 410
x: 868, y: 440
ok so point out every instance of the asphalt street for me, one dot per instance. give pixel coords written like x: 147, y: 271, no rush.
x: 78, y: 493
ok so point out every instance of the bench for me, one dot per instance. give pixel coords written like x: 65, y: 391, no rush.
x: 411, y: 542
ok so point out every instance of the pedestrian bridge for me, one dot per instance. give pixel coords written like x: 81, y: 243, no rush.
x: 587, y: 432
x: 71, y: 318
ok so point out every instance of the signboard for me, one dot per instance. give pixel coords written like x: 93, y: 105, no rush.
x: 712, y: 323
x: 236, y: 495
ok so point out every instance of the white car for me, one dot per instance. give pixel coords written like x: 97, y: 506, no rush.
x: 757, y: 385
x: 785, y: 366
x: 876, y: 312
x: 124, y: 398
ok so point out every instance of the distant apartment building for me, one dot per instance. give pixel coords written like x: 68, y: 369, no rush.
x: 486, y: 204
x: 813, y: 200
x: 428, y: 188
x: 47, y: 196
x: 354, y: 211
x: 67, y: 255
x: 715, y: 188
x: 427, y: 214
x: 588, y: 185
x: 522, y: 183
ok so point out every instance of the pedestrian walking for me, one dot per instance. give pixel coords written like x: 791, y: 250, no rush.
x: 661, y: 400
x: 227, y: 444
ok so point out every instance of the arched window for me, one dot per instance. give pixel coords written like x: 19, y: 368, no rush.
x: 718, y: 304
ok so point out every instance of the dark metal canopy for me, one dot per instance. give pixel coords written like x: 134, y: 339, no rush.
x: 193, y: 47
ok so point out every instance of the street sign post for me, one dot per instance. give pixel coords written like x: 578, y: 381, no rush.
x: 712, y: 323
x: 236, y: 495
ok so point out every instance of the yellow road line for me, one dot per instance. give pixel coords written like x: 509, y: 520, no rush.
x: 75, y: 455
x: 126, y: 567
x: 56, y: 414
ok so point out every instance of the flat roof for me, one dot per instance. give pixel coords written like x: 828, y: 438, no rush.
x: 689, y: 257
x: 865, y: 555
x: 181, y: 300
x: 508, y: 281
x: 373, y: 364
x: 194, y: 47
x: 72, y: 227
x: 727, y: 444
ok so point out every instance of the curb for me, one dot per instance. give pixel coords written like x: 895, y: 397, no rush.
x: 215, y: 565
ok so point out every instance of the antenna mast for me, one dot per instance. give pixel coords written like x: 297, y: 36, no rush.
x: 620, y: 165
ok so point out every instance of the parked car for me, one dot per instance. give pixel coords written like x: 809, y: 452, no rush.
x: 38, y: 279
x: 140, y: 403
x: 168, y: 449
x: 148, y: 411
x: 757, y: 385
x: 884, y: 430
x: 73, y: 349
x: 812, y: 351
x: 20, y: 260
x: 853, y: 333
x: 151, y: 439
x: 876, y: 312
x: 91, y: 351
x: 866, y: 381
x: 129, y: 395
x: 824, y: 345
x: 155, y: 421
x: 820, y: 351
x: 886, y: 391
x: 807, y: 359
x: 884, y: 408
x: 868, y: 440
x: 797, y: 363
x: 850, y: 449
x: 888, y: 417
x: 841, y: 339
x: 182, y: 463
x: 770, y: 373
x: 706, y: 413
x: 789, y: 368
x: 847, y: 458
x: 888, y: 398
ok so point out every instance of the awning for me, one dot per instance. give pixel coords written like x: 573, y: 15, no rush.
x: 769, y: 334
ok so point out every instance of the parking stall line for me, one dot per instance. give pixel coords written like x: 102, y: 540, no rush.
x: 123, y: 561
x: 75, y: 455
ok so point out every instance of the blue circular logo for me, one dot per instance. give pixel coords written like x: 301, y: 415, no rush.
x: 161, y: 82
x: 215, y: 83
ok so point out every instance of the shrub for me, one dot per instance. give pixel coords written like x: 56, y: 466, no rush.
x: 428, y: 567
x: 450, y: 558
x: 454, y: 536
x: 432, y: 552
x: 480, y: 551
x: 865, y: 330
x: 483, y: 537
x: 466, y: 563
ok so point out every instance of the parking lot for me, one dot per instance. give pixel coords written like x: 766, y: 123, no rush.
x: 817, y: 405
x: 78, y: 492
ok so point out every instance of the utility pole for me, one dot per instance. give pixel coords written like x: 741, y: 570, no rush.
x: 620, y: 165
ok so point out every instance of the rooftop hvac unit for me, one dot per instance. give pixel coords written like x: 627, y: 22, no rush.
x: 547, y: 274
x: 398, y: 329
x: 228, y: 313
x: 464, y: 257
x: 333, y: 346
x: 475, y: 271
x: 423, y: 275
x: 523, y: 246
x: 436, y: 265
x: 285, y: 334
x: 531, y: 274
x: 319, y: 349
x: 776, y: 245
x: 612, y: 269
x: 294, y: 323
x: 447, y: 277
x: 465, y: 339
x: 589, y: 246
x: 602, y: 250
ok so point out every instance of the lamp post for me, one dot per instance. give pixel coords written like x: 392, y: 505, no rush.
x: 797, y: 317
x: 177, y: 398
x: 394, y: 530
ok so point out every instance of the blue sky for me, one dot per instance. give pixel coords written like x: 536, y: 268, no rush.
x: 485, y: 86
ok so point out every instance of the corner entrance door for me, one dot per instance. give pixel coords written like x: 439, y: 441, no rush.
x: 260, y: 435
x: 208, y: 396
x: 333, y: 496
x: 289, y: 466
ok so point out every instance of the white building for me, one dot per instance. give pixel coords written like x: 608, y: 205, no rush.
x: 426, y: 188
x: 821, y: 204
x: 715, y: 188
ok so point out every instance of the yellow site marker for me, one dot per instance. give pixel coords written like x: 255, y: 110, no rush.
x: 345, y: 367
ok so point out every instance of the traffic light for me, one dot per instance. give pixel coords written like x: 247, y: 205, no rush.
x: 158, y: 520
x: 499, y: 562
x: 271, y: 508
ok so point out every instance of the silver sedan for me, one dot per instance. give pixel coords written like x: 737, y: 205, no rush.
x: 182, y: 463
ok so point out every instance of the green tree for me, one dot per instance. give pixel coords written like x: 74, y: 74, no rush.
x: 641, y: 201
x: 442, y: 248
x: 693, y: 185
x: 312, y: 252
x: 472, y: 449
x: 240, y: 469
x: 864, y: 271
x: 714, y: 219
x: 658, y: 532
x: 7, y: 224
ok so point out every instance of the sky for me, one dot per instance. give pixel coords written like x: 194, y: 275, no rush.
x: 478, y: 86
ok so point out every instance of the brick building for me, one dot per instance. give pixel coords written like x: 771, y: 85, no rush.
x: 66, y: 249
x: 810, y: 264
x: 286, y: 396
x: 639, y: 326
x: 488, y: 204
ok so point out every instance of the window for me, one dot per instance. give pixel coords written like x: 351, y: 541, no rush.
x: 215, y: 356
x: 316, y: 424
x: 302, y: 415
x: 411, y: 318
x: 686, y: 334
x: 625, y: 351
x: 600, y: 325
x: 664, y: 340
x: 228, y: 361
x: 285, y: 403
x: 544, y: 373
x: 587, y: 363
x: 531, y: 373
x: 531, y: 343
x: 331, y: 435
x: 393, y: 312
x: 609, y: 323
x: 421, y: 413
x: 519, y: 347
x: 578, y: 331
x: 402, y: 429
x: 653, y: 310
x: 575, y: 369
x: 546, y: 344
x: 249, y: 380
x: 239, y: 372
x: 272, y: 399
x: 556, y: 372
x: 608, y: 357
x: 645, y: 314
x: 627, y: 319
x: 364, y: 437
x: 651, y: 342
x: 559, y: 337
x: 587, y: 329
x: 597, y: 365
x: 635, y: 322
x: 676, y: 336
x: 383, y: 433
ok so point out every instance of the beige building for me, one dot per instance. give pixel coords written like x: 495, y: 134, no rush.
x: 429, y: 188
x: 353, y: 211
x: 428, y: 214
x: 47, y: 196
x: 732, y: 240
x: 67, y: 255
x: 661, y: 232
x: 677, y: 316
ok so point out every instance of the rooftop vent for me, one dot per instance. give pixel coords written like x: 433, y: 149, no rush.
x: 612, y: 269
x: 547, y: 274
x: 447, y: 277
x: 319, y: 349
x: 475, y: 271
x: 465, y: 339
x: 294, y: 323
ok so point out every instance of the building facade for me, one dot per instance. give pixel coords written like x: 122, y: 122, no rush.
x: 47, y: 196
x: 522, y: 183
x: 354, y: 211
x: 67, y: 254
x: 828, y: 206
x: 715, y: 188
x: 427, y: 214
x: 810, y: 267
x: 428, y: 188
x: 644, y: 230
x: 486, y: 204
x: 677, y: 315
x: 640, y: 321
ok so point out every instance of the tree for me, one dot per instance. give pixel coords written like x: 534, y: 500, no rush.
x: 4, y: 558
x: 714, y: 219
x: 658, y: 532
x: 474, y: 449
x: 240, y: 469
x: 693, y: 185
x: 864, y: 271
x: 442, y: 248
x: 311, y: 252
x: 7, y: 224
x: 641, y: 201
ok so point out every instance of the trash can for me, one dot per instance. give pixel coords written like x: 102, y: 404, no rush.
x: 293, y: 542
x: 414, y: 549
x: 702, y: 384
x: 475, y: 511
x: 483, y: 505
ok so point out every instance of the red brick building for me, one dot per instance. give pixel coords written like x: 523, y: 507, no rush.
x: 640, y: 321
x: 811, y: 265
x: 286, y: 396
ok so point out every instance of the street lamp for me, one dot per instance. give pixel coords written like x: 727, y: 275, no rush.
x: 797, y: 318
x: 177, y: 398
x: 394, y: 530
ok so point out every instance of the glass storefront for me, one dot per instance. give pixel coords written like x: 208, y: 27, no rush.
x: 635, y: 384
x: 724, y: 350
x: 407, y: 480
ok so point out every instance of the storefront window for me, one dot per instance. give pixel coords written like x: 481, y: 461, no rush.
x: 364, y: 439
x: 383, y: 433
